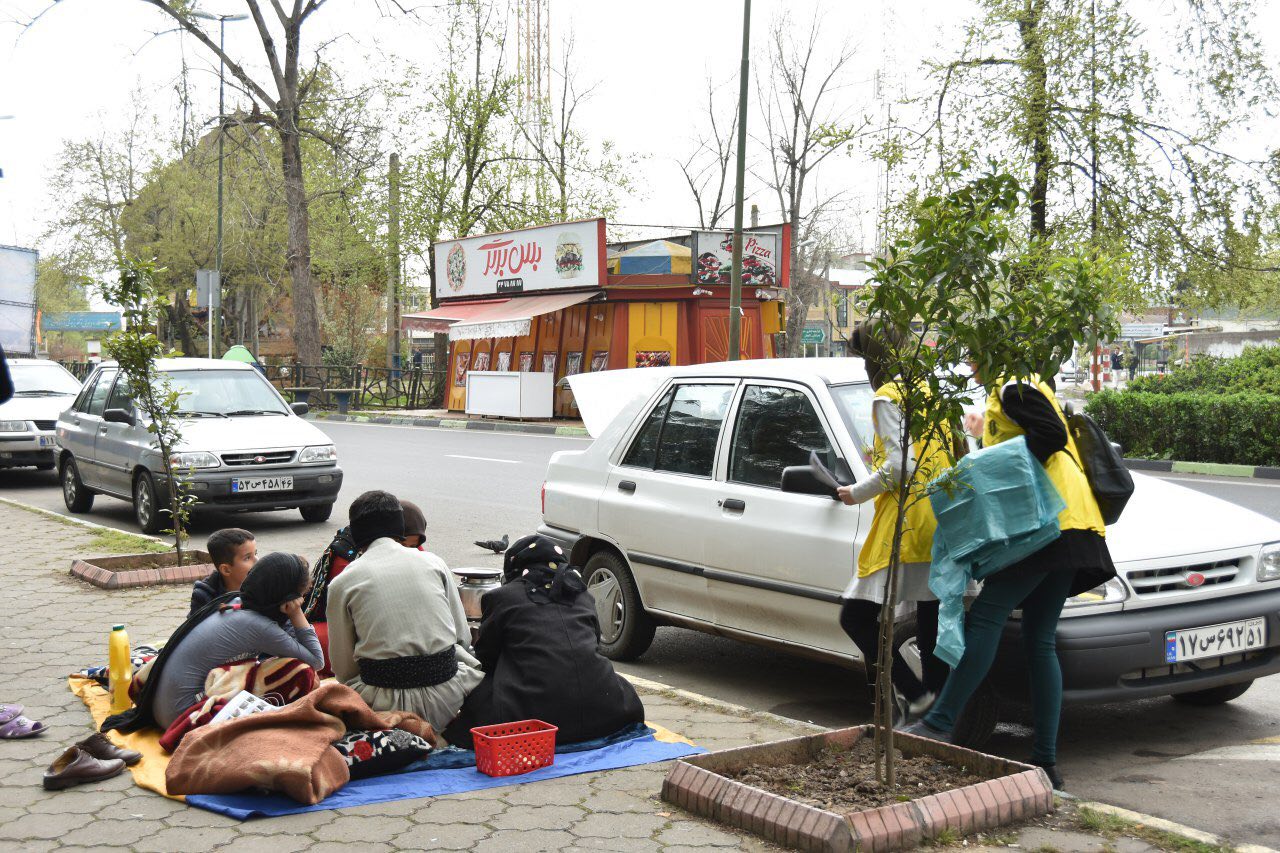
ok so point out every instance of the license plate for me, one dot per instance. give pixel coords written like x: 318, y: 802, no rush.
x: 45, y: 441
x: 1215, y: 640
x: 240, y: 485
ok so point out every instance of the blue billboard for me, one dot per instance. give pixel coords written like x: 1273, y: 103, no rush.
x: 81, y: 321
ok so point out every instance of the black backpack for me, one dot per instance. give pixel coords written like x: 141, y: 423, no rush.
x: 1102, y: 464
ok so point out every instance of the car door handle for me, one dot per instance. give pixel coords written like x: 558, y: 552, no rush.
x: 626, y: 486
x: 733, y: 504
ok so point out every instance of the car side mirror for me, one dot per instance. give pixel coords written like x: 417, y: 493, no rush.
x: 801, y: 480
x: 118, y: 416
x: 300, y: 408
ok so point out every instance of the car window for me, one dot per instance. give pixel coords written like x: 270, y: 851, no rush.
x: 687, y: 441
x: 82, y: 401
x: 98, y: 399
x: 120, y: 397
x: 644, y: 448
x: 776, y: 428
x: 225, y: 392
x: 854, y: 405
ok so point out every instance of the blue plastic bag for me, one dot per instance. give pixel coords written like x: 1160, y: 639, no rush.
x: 997, y: 506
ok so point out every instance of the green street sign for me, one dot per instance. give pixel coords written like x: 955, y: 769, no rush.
x: 813, y: 335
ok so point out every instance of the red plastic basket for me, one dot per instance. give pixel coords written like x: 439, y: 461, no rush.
x: 509, y: 749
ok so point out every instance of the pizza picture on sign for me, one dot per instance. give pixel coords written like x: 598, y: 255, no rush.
x: 456, y: 267
x: 568, y: 256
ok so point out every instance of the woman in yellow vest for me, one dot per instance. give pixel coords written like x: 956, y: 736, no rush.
x: 863, y: 597
x: 1040, y: 585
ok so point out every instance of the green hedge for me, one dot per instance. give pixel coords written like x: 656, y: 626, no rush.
x: 1256, y: 369
x: 1241, y: 427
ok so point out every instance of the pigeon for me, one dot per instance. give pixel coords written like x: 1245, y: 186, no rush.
x: 497, y: 546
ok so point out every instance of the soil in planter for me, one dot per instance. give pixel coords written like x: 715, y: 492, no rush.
x: 844, y: 780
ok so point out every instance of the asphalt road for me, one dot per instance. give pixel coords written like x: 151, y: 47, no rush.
x: 1154, y: 756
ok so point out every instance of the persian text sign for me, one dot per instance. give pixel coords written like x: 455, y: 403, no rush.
x: 713, y: 257
x: 570, y: 254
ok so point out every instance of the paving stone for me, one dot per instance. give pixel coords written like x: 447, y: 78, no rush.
x: 449, y: 810
x: 647, y: 779
x: 697, y: 834
x: 532, y: 841
x: 183, y: 839
x: 559, y: 794
x: 358, y: 829
x: 616, y: 845
x: 620, y: 801
x: 432, y: 836
x: 40, y: 826
x: 619, y: 825
x: 1035, y: 838
x: 76, y: 801
x: 268, y: 844
x: 199, y: 818
x: 294, y: 824
x: 110, y: 832
x: 538, y: 817
x: 335, y: 847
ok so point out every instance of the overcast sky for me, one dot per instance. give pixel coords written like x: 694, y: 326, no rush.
x: 75, y: 70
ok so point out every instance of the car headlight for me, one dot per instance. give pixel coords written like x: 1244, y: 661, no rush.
x: 14, y: 426
x: 1269, y: 565
x: 1111, y: 592
x: 194, y: 459
x: 319, y: 453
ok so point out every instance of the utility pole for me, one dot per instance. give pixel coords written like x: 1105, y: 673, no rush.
x: 393, y: 261
x: 735, y: 281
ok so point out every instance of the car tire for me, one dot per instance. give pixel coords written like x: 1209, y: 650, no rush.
x: 75, y: 494
x: 626, y: 630
x: 977, y: 722
x: 316, y: 514
x: 1214, y: 695
x: 146, y: 507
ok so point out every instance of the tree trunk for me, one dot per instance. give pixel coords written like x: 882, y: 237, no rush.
x: 1037, y: 115
x: 306, y: 315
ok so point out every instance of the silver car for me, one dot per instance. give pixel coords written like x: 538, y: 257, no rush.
x: 246, y: 449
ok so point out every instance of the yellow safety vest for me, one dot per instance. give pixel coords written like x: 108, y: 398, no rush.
x: 1082, y: 509
x: 918, y: 526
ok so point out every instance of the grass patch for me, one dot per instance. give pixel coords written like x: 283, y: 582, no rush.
x: 946, y: 837
x: 112, y: 542
x: 1111, y: 826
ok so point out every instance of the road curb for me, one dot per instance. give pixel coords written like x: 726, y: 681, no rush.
x: 455, y: 423
x: 71, y: 519
x: 1169, y: 826
x: 1216, y: 469
x: 697, y: 699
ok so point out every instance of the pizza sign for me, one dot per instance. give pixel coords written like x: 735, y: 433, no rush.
x: 570, y: 254
x: 713, y: 257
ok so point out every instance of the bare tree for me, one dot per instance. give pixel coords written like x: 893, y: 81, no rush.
x: 803, y: 127
x: 708, y: 170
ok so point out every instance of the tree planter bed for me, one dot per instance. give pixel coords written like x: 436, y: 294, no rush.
x: 1009, y: 792
x: 143, y: 569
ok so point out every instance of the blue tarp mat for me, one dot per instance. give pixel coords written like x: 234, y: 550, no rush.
x: 452, y: 771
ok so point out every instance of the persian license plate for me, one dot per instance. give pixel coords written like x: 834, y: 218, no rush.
x: 243, y: 485
x: 1215, y: 640
x: 45, y: 441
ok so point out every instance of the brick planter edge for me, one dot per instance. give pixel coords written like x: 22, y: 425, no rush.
x: 102, y: 572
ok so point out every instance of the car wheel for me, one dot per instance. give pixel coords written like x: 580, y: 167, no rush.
x: 316, y: 514
x: 75, y: 494
x: 1213, y: 695
x: 146, y: 509
x: 977, y: 722
x: 626, y: 631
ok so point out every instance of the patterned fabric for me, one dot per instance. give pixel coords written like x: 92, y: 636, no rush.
x: 277, y: 680
x: 140, y: 657
x: 378, y: 753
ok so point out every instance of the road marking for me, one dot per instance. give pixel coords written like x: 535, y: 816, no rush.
x: 1193, y: 478
x: 1257, y: 751
x: 483, y: 458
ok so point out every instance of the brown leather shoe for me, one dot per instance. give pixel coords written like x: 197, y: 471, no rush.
x: 100, y: 747
x: 75, y: 767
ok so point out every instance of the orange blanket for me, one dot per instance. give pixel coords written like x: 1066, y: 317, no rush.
x: 288, y: 750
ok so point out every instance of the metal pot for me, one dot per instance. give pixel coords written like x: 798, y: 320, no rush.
x: 473, y: 583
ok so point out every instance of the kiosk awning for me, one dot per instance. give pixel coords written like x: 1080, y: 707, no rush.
x: 513, y: 318
x: 440, y: 319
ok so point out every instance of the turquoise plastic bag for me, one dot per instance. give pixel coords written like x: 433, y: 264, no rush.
x: 995, y: 508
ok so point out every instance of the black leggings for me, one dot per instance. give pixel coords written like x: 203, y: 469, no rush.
x: 861, y: 621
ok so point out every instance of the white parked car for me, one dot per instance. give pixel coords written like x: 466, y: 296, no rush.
x: 695, y: 506
x: 246, y: 447
x: 41, y: 391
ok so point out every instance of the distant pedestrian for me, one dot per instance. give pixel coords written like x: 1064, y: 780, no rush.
x: 865, y: 594
x: 1132, y: 362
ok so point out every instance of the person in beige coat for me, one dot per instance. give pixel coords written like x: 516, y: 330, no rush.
x: 398, y: 634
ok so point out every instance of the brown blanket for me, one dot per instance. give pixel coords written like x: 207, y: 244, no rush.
x: 289, y: 750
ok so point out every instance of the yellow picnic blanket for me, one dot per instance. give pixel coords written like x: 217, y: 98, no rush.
x: 149, y: 772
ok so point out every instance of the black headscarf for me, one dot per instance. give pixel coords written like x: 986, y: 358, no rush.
x: 386, y: 522
x: 273, y: 580
x: 875, y: 344
x: 544, y: 567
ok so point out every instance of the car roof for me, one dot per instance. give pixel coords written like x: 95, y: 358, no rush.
x: 169, y: 365
x: 19, y: 361
x: 832, y: 371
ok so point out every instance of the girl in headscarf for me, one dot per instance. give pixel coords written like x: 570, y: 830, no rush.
x: 865, y: 594
x: 538, y: 645
x: 263, y: 618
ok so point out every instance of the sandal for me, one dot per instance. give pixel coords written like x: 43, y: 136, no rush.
x: 8, y: 711
x: 20, y: 727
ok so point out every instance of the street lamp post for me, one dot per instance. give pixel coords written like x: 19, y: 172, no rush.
x: 217, y: 260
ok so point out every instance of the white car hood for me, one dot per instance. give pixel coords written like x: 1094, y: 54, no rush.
x: 1165, y: 519
x: 36, y: 408
x: 601, y: 396
x: 256, y: 432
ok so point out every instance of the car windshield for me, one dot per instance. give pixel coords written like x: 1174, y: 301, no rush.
x: 854, y: 403
x: 225, y: 392
x: 42, y: 380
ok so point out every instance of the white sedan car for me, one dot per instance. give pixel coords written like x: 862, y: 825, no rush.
x: 695, y: 506
x: 42, y: 390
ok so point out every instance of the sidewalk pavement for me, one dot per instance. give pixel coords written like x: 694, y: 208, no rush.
x: 53, y: 624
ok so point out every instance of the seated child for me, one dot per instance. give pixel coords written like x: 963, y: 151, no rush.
x: 234, y: 551
x: 266, y: 620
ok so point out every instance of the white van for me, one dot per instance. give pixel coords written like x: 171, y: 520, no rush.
x: 247, y: 449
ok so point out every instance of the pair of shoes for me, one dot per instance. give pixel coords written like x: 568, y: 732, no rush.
x: 14, y: 725
x: 1051, y: 770
x: 91, y: 760
x: 922, y: 729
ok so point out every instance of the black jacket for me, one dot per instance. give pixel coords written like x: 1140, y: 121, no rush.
x: 541, y: 663
x: 204, y: 591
